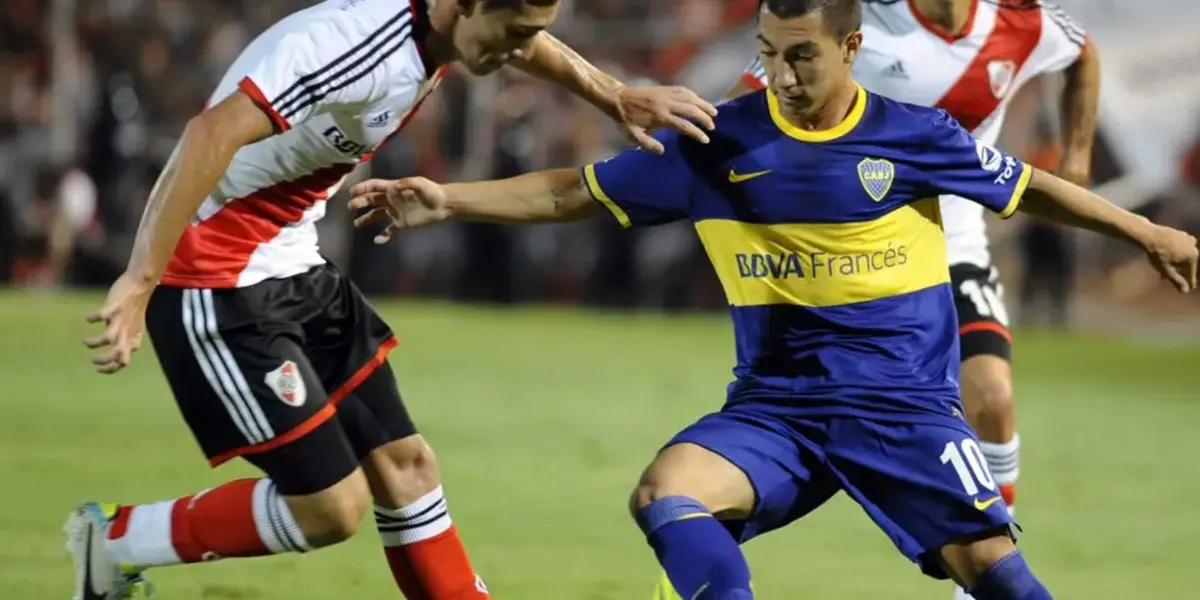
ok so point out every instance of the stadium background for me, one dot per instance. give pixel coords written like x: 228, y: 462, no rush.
x: 543, y: 412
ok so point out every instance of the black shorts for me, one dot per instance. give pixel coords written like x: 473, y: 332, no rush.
x: 982, y: 317
x: 260, y: 369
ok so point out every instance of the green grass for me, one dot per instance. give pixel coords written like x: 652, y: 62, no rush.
x: 542, y: 421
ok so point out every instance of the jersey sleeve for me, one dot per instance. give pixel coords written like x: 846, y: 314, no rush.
x: 314, y: 70
x: 641, y: 188
x: 755, y: 75
x: 1062, y: 40
x: 955, y: 163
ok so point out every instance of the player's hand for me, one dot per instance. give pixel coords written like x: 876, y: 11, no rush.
x: 124, y: 318
x: 642, y: 109
x: 1174, y: 254
x: 404, y: 203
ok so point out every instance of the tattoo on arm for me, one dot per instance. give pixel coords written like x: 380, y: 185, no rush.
x: 560, y: 195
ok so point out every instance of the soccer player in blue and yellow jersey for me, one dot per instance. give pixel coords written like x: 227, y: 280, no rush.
x: 817, y: 204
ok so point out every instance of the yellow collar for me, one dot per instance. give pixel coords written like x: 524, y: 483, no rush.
x: 825, y: 135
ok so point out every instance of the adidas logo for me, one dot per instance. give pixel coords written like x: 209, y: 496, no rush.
x: 381, y: 119
x: 896, y: 70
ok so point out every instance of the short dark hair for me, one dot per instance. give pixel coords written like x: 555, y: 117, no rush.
x: 517, y: 4
x: 842, y: 16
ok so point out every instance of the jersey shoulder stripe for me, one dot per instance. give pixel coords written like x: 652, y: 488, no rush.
x: 1063, y: 21
x: 756, y: 68
x: 1054, y: 12
x: 348, y: 68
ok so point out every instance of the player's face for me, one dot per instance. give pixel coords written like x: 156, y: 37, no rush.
x: 805, y: 61
x: 486, y: 39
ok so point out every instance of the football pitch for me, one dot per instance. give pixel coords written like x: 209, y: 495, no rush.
x: 542, y: 420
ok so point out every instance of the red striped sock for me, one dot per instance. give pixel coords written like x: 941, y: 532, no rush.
x: 241, y: 518
x: 427, y: 558
x: 1008, y: 491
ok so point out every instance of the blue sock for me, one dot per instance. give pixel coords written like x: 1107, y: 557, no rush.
x: 701, y: 559
x: 1009, y: 579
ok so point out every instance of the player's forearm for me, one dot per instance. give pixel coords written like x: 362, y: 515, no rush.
x: 544, y: 196
x: 551, y: 60
x: 1054, y: 199
x: 195, y: 167
x: 1081, y: 107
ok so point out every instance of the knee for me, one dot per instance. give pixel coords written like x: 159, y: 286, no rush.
x: 988, y: 397
x: 690, y: 472
x: 644, y: 494
x: 658, y: 483
x: 333, y: 515
x: 402, y: 472
x: 967, y: 561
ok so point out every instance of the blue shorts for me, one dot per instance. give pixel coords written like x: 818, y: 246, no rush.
x: 924, y: 484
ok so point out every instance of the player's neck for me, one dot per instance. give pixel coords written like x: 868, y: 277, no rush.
x: 950, y: 16
x: 439, y: 41
x: 828, y: 115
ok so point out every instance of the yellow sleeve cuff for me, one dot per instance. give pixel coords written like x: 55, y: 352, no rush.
x: 593, y: 186
x: 1019, y: 190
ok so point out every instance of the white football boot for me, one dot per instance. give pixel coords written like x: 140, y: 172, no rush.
x: 98, y: 576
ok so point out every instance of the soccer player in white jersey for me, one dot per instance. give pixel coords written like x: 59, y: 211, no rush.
x: 272, y: 354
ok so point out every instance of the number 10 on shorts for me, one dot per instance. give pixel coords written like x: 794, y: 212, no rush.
x: 968, y: 461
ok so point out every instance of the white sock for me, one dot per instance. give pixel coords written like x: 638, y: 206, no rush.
x: 1004, y: 461
x: 147, y: 540
x: 276, y: 526
x: 421, y: 520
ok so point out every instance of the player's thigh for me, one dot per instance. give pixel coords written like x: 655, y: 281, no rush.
x: 348, y: 340
x: 374, y: 416
x: 986, y: 346
x: 982, y: 315
x: 754, y: 472
x: 247, y: 390
x: 926, y: 485
x: 987, y: 395
x: 968, y: 558
x: 349, y: 343
x: 399, y: 464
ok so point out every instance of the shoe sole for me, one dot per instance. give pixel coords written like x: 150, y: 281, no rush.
x: 82, y: 544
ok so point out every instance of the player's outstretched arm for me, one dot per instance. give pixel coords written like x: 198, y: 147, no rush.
x: 200, y: 159
x: 1171, y: 251
x: 1081, y: 109
x: 540, y: 197
x: 637, y: 109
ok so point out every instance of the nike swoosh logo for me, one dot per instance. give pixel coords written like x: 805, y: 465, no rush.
x: 986, y: 503
x: 735, y: 177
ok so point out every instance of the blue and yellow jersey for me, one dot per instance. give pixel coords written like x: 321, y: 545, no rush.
x: 829, y: 245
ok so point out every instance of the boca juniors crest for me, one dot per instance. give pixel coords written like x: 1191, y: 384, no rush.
x: 876, y: 176
x: 287, y: 384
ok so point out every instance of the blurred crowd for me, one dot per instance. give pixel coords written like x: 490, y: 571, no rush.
x: 94, y: 93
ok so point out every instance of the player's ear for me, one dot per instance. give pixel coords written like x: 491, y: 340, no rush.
x: 853, y: 43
